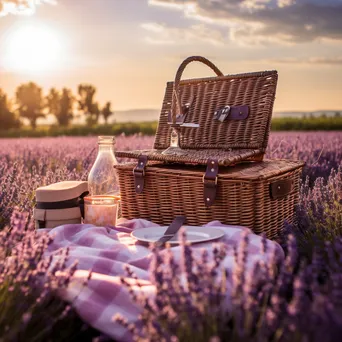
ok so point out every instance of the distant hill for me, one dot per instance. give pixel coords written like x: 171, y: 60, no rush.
x: 136, y: 115
x: 132, y: 115
x: 153, y: 114
x: 140, y: 115
x: 299, y: 114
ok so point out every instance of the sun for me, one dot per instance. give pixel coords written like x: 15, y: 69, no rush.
x: 33, y: 49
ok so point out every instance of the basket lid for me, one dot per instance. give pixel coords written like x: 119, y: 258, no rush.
x: 242, y: 172
x: 223, y: 113
x: 198, y: 157
x: 61, y: 191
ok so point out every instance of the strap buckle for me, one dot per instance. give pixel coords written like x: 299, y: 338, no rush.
x: 139, y: 174
x: 210, y: 180
x: 207, y: 180
x: 136, y: 171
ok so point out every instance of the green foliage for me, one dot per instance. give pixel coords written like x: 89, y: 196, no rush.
x: 149, y: 128
x: 31, y: 105
x: 30, y: 101
x: 61, y: 105
x: 87, y: 105
x: 130, y: 128
x: 7, y: 117
x: 107, y: 111
x: 322, y: 123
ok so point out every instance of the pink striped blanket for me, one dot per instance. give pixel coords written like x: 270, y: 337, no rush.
x: 106, y: 250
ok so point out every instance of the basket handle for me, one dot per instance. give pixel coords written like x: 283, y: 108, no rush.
x: 176, y: 105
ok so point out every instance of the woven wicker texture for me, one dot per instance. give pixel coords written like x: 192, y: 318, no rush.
x: 206, y: 96
x: 243, y: 195
x: 198, y: 156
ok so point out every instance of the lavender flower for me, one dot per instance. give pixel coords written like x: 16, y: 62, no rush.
x: 290, y: 303
x: 319, y: 213
x: 26, y: 164
x: 266, y: 301
x: 30, y: 308
x: 187, y: 300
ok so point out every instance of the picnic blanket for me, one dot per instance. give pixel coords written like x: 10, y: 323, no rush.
x: 107, y: 250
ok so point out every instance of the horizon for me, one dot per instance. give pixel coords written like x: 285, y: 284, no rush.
x: 154, y: 114
x: 129, y: 50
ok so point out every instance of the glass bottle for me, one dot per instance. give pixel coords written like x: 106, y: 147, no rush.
x: 102, y: 178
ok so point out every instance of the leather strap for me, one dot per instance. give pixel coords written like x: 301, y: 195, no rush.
x: 281, y: 188
x: 139, y: 174
x: 232, y: 113
x: 239, y: 113
x: 210, y: 182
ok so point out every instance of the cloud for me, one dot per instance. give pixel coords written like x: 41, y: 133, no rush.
x: 171, y: 4
x: 331, y: 61
x: 26, y: 7
x: 160, y: 34
x: 289, y: 21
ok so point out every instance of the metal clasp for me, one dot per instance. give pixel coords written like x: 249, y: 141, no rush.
x: 208, y: 179
x: 136, y: 170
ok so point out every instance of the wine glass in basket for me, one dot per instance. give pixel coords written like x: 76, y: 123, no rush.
x: 176, y: 121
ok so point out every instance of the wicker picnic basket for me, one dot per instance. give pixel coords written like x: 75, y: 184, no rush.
x: 260, y: 196
x: 215, y: 171
x: 222, y: 117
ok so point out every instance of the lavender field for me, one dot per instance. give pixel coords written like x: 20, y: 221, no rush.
x: 26, y: 164
x: 310, y: 277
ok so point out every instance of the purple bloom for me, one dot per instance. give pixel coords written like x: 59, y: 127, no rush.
x: 29, y: 282
x: 267, y: 300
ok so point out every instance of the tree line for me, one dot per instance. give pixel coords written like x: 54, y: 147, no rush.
x: 30, y: 103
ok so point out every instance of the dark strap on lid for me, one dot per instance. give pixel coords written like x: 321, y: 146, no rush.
x: 210, y: 182
x: 239, y: 112
x: 139, y: 174
x: 232, y: 113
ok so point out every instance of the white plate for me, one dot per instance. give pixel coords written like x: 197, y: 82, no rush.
x: 193, y: 234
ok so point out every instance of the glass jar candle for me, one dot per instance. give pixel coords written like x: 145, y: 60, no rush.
x: 101, y: 210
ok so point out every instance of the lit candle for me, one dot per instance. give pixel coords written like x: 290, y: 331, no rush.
x: 101, y: 210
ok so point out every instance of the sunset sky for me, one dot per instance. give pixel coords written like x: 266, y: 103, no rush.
x: 129, y: 48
